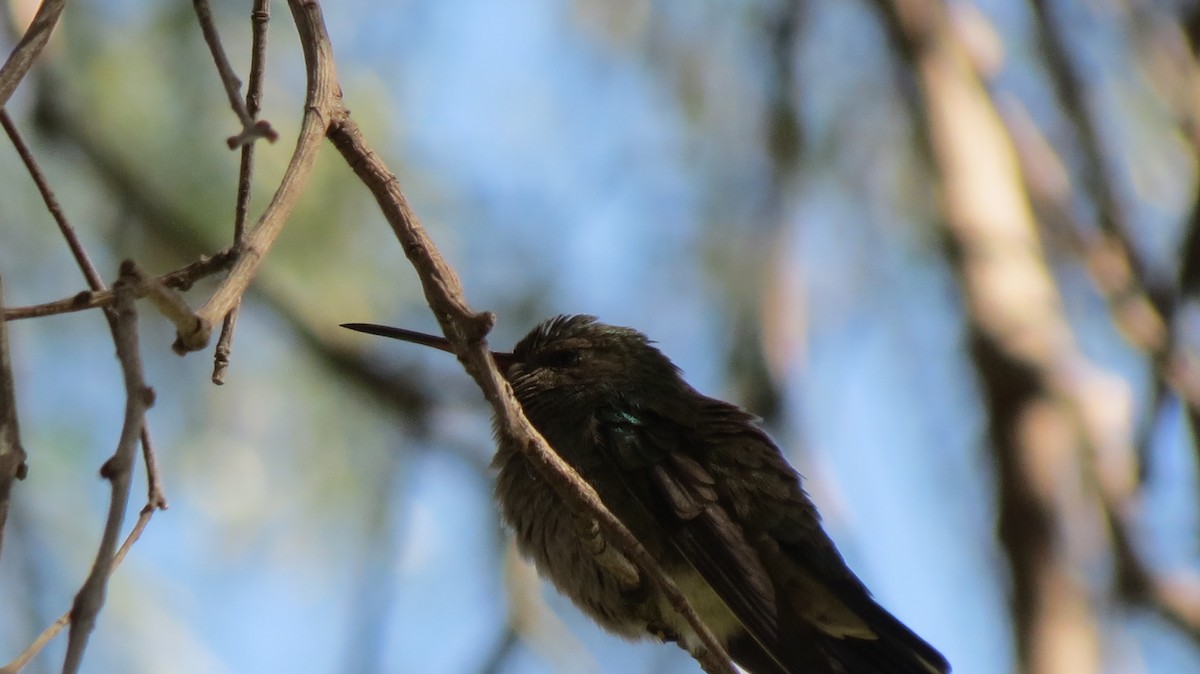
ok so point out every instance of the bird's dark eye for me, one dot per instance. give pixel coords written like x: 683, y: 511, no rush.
x: 561, y: 358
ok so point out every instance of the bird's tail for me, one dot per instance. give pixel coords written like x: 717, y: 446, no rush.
x: 897, y: 650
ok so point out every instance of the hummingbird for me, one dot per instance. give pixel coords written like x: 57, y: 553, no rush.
x: 701, y: 486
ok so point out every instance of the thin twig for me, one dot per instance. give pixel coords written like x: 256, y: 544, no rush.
x: 180, y: 279
x: 225, y: 341
x: 177, y: 229
x: 168, y: 302
x: 65, y: 619
x: 156, y: 500
x: 81, y: 257
x: 117, y: 470
x: 26, y: 52
x: 250, y: 128
x: 12, y: 454
x: 392, y: 388
x: 155, y: 496
x: 323, y: 92
x: 323, y: 98
x: 259, y: 19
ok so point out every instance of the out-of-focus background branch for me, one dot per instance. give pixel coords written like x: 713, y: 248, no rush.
x: 947, y: 250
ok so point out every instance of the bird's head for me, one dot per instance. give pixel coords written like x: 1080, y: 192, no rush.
x: 574, y: 357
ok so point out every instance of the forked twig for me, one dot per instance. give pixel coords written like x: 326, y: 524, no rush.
x: 57, y: 626
x: 251, y: 129
x: 323, y: 98
x: 180, y: 279
x: 259, y: 18
x: 118, y: 470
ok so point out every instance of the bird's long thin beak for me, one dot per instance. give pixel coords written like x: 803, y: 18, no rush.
x: 503, y: 358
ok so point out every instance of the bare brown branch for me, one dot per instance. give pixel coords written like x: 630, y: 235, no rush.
x: 81, y: 257
x: 180, y: 279
x: 118, y: 470
x: 57, y: 626
x: 155, y: 496
x: 177, y: 228
x: 122, y: 321
x: 156, y: 499
x: 259, y: 18
x: 251, y: 129
x: 12, y: 453
x: 168, y: 302
x: 323, y: 98
x: 26, y: 52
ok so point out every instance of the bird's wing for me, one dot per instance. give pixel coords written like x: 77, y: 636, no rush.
x: 813, y: 581
x: 701, y: 478
x: 681, y: 495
